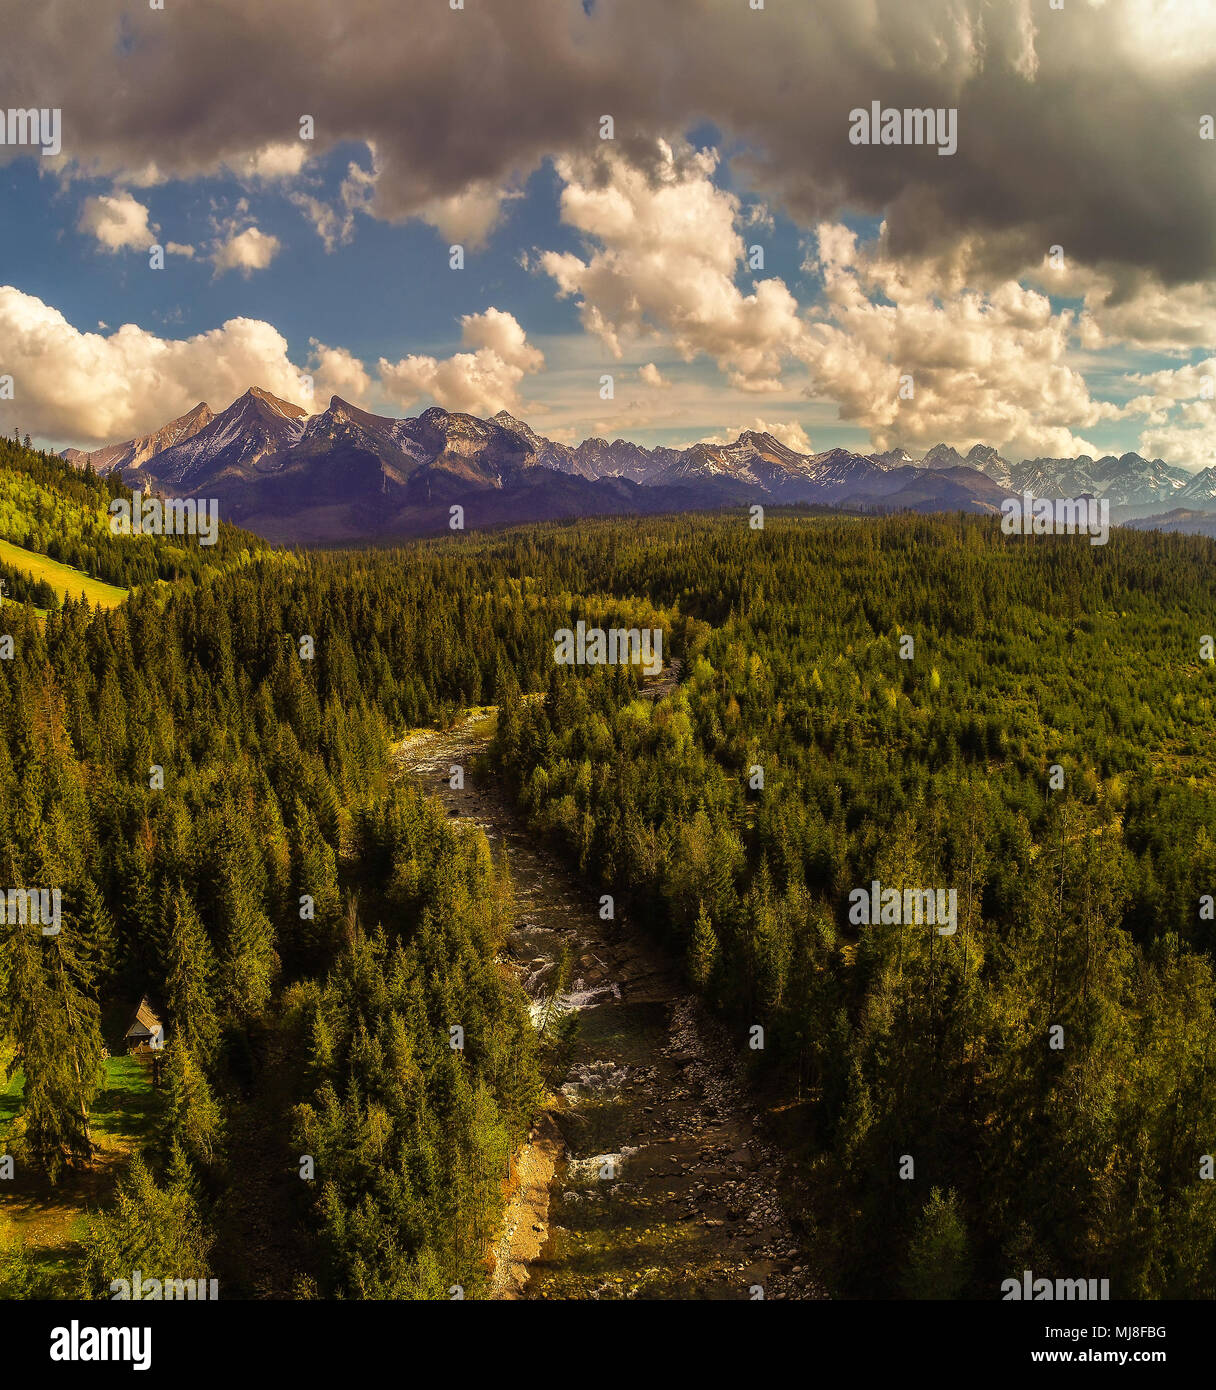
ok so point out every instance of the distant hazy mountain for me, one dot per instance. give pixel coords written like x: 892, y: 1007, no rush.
x: 136, y: 452
x: 1133, y: 485
x: 1183, y: 519
x: 893, y: 458
x: 1200, y: 491
x: 348, y: 475
x: 989, y: 462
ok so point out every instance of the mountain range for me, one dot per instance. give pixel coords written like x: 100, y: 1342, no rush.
x: 348, y: 475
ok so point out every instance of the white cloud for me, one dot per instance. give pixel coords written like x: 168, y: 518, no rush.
x: 1141, y: 311
x: 664, y: 267
x: 985, y: 366
x: 787, y: 432
x: 665, y: 252
x: 760, y: 215
x: 1180, y: 413
x: 651, y: 376
x: 246, y: 251
x: 148, y: 175
x: 281, y: 160
x: 481, y: 382
x: 337, y: 372
x: 334, y: 228
x: 1189, y: 441
x: 90, y: 389
x: 1166, y: 387
x: 468, y: 217
x: 118, y: 222
x: 335, y: 223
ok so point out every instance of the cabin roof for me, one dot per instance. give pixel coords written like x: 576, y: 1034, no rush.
x: 143, y: 1020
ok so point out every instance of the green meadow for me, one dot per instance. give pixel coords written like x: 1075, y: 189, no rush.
x: 66, y: 581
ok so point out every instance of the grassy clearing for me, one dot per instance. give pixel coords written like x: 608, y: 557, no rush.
x: 50, y: 1221
x: 125, y: 1109
x: 62, y: 578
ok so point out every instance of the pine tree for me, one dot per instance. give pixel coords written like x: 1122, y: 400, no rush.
x: 96, y: 937
x: 49, y: 1012
x: 190, y: 979
x: 939, y: 1261
x: 156, y: 1230
x: 194, y: 1117
x: 247, y: 960
x: 702, y: 950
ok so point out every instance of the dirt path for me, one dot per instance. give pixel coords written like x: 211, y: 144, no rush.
x: 654, y: 1180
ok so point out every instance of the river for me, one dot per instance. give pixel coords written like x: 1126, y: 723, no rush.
x: 648, y: 1175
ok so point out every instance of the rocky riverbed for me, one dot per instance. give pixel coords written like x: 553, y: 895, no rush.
x: 649, y: 1175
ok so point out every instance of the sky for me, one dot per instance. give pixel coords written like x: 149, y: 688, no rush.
x: 422, y: 203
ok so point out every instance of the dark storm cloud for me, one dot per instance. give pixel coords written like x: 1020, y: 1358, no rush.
x: 1077, y: 127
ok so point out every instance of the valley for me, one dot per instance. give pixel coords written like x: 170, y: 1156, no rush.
x: 315, y: 910
x: 661, y: 1180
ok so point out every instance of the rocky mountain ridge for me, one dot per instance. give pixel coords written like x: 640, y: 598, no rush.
x: 347, y: 474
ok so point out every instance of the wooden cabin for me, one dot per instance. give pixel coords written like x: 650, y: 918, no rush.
x: 146, y: 1033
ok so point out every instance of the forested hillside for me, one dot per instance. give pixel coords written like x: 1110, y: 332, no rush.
x: 186, y: 778
x: 205, y: 773
x: 54, y: 509
x: 1078, y: 908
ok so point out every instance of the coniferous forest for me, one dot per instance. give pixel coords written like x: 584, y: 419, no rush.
x: 205, y: 772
